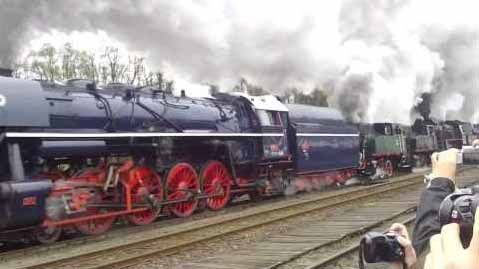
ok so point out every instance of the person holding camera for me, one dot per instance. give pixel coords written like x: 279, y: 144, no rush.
x: 445, y: 245
x: 447, y: 250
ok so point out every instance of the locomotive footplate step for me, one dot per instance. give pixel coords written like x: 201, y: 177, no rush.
x: 315, y: 233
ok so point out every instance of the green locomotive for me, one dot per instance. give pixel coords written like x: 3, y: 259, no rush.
x: 383, y: 150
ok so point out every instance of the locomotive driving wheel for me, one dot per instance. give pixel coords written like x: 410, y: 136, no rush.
x: 388, y: 168
x: 216, y: 183
x: 145, y: 188
x: 182, y: 184
x: 96, y: 225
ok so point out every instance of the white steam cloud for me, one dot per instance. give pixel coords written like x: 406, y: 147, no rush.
x: 375, y: 58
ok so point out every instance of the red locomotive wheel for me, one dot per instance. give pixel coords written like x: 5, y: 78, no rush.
x: 95, y: 226
x: 217, y: 183
x: 388, y: 168
x: 182, y: 183
x: 146, y: 183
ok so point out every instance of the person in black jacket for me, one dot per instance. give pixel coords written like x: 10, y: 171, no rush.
x: 446, y: 250
x: 441, y: 183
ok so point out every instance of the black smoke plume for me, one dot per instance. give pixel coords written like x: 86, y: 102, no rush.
x: 424, y: 106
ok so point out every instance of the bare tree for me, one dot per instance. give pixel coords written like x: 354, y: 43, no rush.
x: 317, y: 97
x: 116, y: 68
x: 136, y: 68
x: 169, y: 87
x: 52, y: 64
x: 148, y: 79
x: 160, y: 81
x: 69, y: 62
x: 88, y: 67
x: 45, y: 62
x: 251, y: 89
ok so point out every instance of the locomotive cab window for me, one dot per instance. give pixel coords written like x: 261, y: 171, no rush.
x: 388, y: 130
x: 269, y: 118
x: 284, y: 119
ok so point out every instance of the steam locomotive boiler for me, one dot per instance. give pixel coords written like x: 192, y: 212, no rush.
x: 76, y: 157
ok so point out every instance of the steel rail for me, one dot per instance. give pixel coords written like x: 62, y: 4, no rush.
x: 348, y: 250
x: 353, y: 233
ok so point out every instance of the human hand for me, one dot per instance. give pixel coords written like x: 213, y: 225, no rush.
x: 447, y: 251
x: 444, y: 164
x: 403, y: 238
x: 475, y: 143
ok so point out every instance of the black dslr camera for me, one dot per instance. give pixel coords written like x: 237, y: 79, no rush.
x: 460, y: 207
x: 377, y: 247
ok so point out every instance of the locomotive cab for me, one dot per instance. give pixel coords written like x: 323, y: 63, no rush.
x: 274, y: 123
x: 467, y: 132
x: 454, y: 135
x: 273, y: 118
x: 274, y: 167
x: 425, y: 139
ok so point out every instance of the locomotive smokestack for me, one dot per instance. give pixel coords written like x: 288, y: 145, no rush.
x: 424, y: 107
x: 5, y: 72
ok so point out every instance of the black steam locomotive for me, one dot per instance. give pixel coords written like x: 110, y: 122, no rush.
x: 77, y: 157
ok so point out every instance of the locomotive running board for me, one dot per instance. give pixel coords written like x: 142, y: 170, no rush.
x: 124, y: 135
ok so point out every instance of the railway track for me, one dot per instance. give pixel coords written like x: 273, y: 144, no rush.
x: 170, y: 240
x: 347, y: 257
x: 75, y: 239
x: 324, y: 243
x: 346, y: 247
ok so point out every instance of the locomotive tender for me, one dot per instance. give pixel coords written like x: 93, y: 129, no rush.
x: 325, y: 144
x: 77, y: 157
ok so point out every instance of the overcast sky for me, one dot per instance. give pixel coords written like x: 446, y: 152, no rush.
x: 371, y: 54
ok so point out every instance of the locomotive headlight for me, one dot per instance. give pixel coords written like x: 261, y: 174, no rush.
x: 3, y: 100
